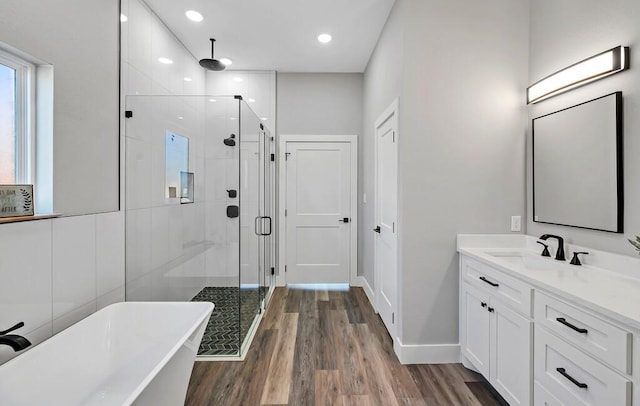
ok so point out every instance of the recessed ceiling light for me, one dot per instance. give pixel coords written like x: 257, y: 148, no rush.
x: 165, y: 61
x: 232, y: 118
x: 251, y: 100
x: 188, y: 79
x: 238, y: 79
x: 194, y: 16
x: 226, y: 61
x: 324, y: 38
x: 123, y: 18
x: 263, y: 118
x: 212, y: 100
x: 180, y: 118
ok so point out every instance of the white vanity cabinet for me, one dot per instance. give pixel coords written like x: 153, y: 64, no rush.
x: 550, y: 333
x: 497, y: 329
x: 580, y: 359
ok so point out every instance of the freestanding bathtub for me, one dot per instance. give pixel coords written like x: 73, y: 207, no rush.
x: 132, y: 353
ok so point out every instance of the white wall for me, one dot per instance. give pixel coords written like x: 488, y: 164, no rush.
x: 461, y: 143
x: 566, y: 32
x: 56, y: 272
x: 80, y: 39
x: 258, y: 89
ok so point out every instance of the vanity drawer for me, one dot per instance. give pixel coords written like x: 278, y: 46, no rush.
x: 605, y: 341
x: 510, y: 291
x: 574, y: 378
x: 542, y: 397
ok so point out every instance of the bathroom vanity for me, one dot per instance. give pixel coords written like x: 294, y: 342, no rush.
x: 545, y: 332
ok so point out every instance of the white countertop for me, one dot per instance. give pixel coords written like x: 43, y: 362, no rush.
x: 613, y: 291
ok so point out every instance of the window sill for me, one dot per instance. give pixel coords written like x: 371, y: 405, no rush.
x: 28, y: 218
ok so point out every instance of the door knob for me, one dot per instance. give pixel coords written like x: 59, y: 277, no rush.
x: 344, y: 220
x: 377, y: 229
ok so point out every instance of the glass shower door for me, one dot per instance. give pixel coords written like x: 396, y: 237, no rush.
x: 266, y: 201
x: 250, y: 213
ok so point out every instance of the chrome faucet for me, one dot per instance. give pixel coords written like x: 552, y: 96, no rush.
x: 560, y: 250
x: 18, y: 343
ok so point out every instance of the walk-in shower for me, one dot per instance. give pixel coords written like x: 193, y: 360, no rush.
x: 199, y: 189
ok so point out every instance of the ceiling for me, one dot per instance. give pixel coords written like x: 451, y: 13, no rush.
x: 281, y: 34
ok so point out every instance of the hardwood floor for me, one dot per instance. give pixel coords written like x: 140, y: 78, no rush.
x: 330, y: 348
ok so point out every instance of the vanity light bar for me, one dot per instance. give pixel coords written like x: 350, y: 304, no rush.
x: 586, y: 71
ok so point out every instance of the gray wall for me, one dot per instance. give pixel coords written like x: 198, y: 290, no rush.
x: 382, y: 85
x: 80, y: 39
x: 563, y: 33
x: 461, y: 144
x: 319, y: 103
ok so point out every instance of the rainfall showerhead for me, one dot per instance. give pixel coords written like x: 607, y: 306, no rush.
x: 211, y: 63
x: 230, y: 142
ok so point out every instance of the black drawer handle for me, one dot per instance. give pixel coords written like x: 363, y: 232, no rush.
x: 491, y: 309
x: 564, y: 321
x: 483, y: 304
x: 573, y: 380
x: 485, y: 280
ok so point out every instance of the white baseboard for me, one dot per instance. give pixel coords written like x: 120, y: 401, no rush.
x: 426, y: 353
x: 362, y: 282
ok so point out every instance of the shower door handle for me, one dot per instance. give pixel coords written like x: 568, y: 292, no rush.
x: 259, y: 223
x: 267, y: 218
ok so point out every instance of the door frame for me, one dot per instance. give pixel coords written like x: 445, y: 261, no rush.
x: 391, y: 110
x: 281, y: 279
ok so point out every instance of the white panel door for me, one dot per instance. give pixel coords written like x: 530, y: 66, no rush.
x: 318, y: 212
x: 386, y: 219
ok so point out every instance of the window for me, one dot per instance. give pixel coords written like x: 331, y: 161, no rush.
x: 16, y: 119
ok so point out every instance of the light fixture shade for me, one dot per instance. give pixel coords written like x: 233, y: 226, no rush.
x: 586, y: 71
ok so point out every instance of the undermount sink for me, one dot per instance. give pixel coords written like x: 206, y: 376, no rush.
x: 528, y: 261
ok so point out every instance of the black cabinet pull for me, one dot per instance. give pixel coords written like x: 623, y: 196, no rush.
x: 377, y: 229
x: 485, y: 280
x: 573, y: 380
x: 483, y: 304
x: 564, y: 321
x: 491, y: 309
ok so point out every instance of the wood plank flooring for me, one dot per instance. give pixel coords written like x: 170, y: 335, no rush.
x: 330, y: 348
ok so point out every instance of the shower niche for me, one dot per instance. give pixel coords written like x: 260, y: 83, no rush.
x: 213, y: 153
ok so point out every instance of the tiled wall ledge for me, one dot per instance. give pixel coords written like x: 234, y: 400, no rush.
x: 28, y: 218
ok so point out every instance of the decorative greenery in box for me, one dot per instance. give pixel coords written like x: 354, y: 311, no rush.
x: 16, y: 200
x: 636, y: 243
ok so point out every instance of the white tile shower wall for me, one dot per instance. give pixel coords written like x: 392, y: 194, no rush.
x: 56, y: 272
x: 165, y: 256
x: 258, y: 89
x: 172, y: 248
